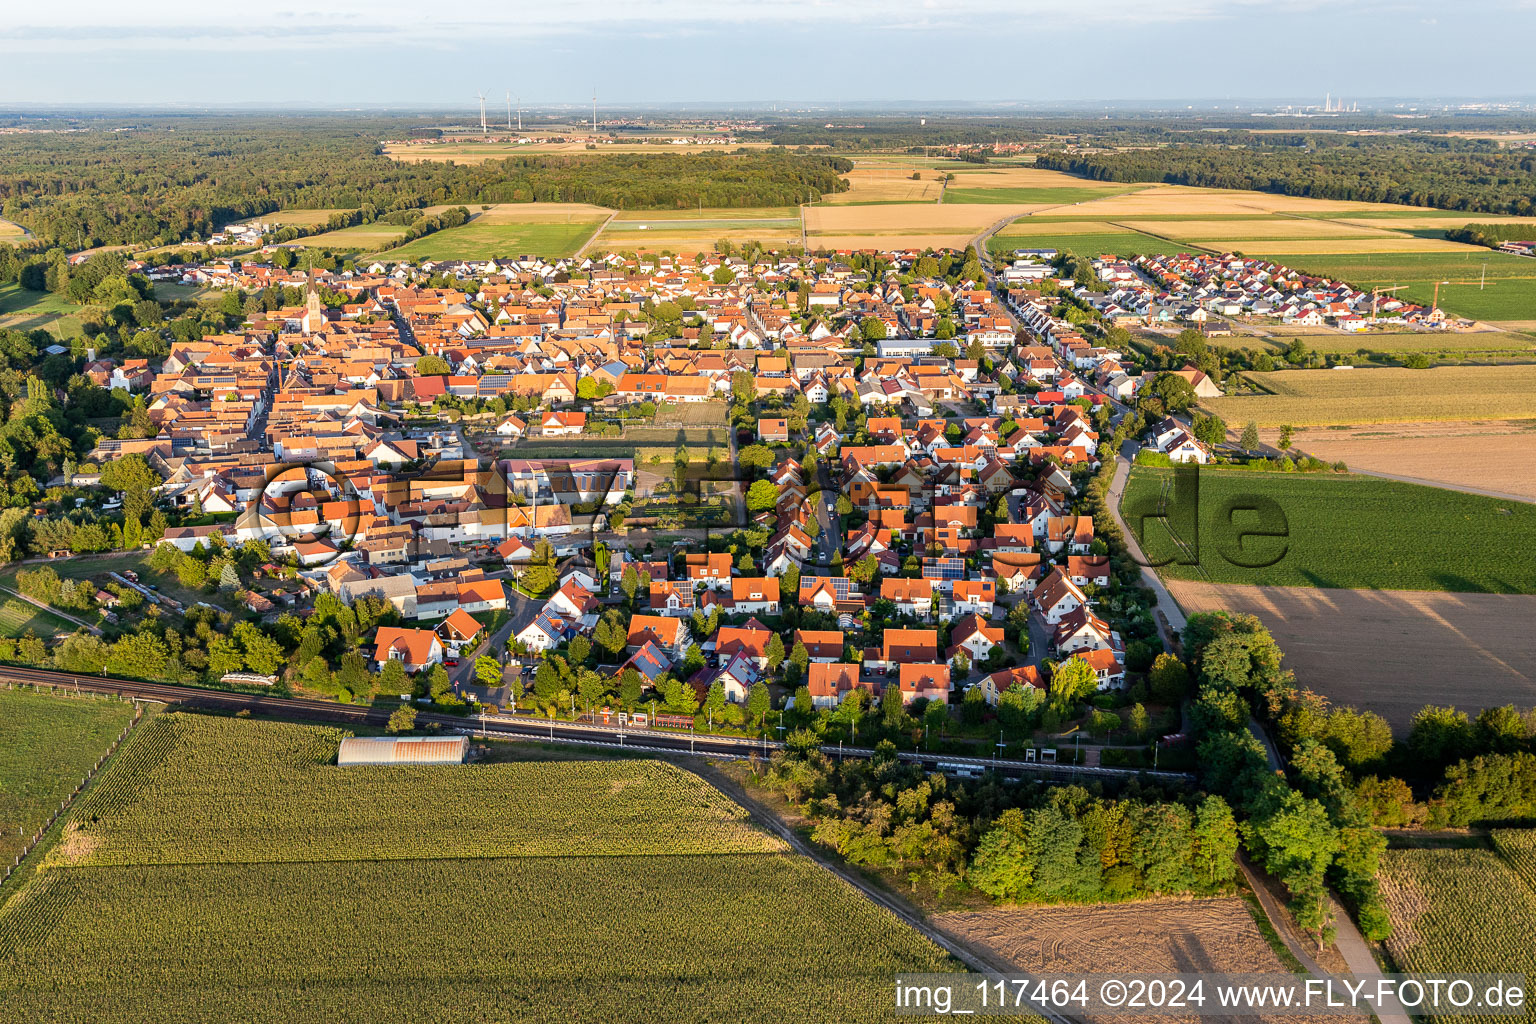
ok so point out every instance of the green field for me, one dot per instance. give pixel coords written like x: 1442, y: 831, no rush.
x: 359, y: 237
x: 525, y: 891
x: 23, y: 310
x: 1459, y: 911
x: 489, y: 241
x: 1029, y: 195
x: 1341, y: 530
x: 1119, y: 243
x: 18, y: 618
x: 51, y: 742
x: 1509, y: 292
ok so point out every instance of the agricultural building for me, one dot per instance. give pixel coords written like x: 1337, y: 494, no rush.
x: 402, y: 750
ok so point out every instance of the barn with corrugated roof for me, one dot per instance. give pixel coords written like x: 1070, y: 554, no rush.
x: 402, y: 750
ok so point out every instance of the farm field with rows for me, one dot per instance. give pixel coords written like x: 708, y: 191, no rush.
x: 1307, y: 398
x: 295, y: 804
x: 225, y: 869
x: 50, y: 744
x: 1460, y: 911
x: 1341, y: 530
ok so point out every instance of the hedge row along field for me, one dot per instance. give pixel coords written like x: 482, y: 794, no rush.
x: 1343, y: 531
x: 50, y: 743
x: 1459, y: 911
x: 227, y: 871
x: 279, y: 796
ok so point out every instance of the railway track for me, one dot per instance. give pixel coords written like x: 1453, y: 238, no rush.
x: 547, y: 730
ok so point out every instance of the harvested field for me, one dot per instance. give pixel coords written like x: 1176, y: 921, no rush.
x: 1391, y: 651
x: 1032, y: 177
x: 709, y: 213
x: 363, y: 237
x: 524, y: 213
x: 1180, y: 199
x: 950, y: 218
x: 1152, y: 937
x: 1051, y: 226
x: 9, y: 230
x: 1507, y: 343
x: 1445, y: 220
x: 888, y: 183
x: 1498, y: 456
x: 1155, y: 936
x: 1311, y: 246
x: 1259, y: 228
x: 298, y: 218
x: 1386, y: 395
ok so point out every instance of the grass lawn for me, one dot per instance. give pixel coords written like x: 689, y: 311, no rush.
x: 23, y: 310
x: 1509, y: 294
x: 18, y: 618
x: 50, y: 743
x: 488, y: 241
x: 1340, y: 530
x: 1119, y: 243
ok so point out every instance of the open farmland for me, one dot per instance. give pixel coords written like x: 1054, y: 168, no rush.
x: 948, y: 225
x: 359, y: 238
x: 1386, y: 395
x: 1148, y: 937
x: 1457, y: 911
x: 1497, y: 456
x: 1390, y: 651
x: 51, y: 742
x: 1339, y: 530
x: 18, y: 618
x: 1084, y: 243
x: 1483, y: 284
x: 10, y: 231
x: 529, y: 891
x: 698, y: 230
x: 887, y: 183
x: 490, y: 238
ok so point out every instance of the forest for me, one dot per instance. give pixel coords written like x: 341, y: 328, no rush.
x: 168, y: 183
x: 1421, y: 170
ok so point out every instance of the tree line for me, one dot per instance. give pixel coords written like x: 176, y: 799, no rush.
x: 161, y: 186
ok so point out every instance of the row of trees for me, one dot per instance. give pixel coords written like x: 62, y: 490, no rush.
x: 1014, y: 843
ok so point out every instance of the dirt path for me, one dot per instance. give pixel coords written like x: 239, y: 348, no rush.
x: 1278, y: 918
x: 51, y: 610
x: 1351, y: 945
x: 594, y: 236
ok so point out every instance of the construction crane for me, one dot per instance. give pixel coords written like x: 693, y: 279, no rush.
x: 482, y: 112
x: 1376, y: 291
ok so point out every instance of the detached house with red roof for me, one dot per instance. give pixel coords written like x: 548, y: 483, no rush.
x: 416, y: 649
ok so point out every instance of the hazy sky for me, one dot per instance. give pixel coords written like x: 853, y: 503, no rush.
x: 555, y: 51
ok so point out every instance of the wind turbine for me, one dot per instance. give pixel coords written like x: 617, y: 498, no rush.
x: 509, y: 111
x: 482, y: 111
x: 519, y: 113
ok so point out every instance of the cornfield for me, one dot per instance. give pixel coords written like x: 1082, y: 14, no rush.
x: 1458, y: 911
x: 188, y: 789
x: 226, y: 871
x: 50, y: 742
x: 1518, y: 848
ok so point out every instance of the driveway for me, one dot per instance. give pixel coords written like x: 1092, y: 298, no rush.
x: 521, y: 611
x: 1172, y: 616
